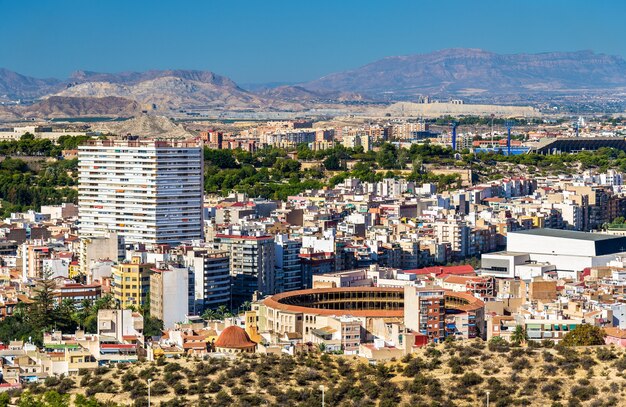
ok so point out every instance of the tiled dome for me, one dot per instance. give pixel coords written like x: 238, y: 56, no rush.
x: 234, y: 337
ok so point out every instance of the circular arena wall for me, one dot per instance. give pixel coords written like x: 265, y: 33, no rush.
x: 372, y: 302
x: 354, y: 301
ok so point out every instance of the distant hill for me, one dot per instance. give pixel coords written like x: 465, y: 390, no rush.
x: 474, y: 71
x: 14, y: 86
x: 297, y: 94
x: 133, y: 78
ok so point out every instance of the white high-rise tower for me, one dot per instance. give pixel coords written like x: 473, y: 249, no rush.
x: 146, y: 191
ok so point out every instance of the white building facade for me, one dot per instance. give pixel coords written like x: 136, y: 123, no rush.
x: 146, y: 191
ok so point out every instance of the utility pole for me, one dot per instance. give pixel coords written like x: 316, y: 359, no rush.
x: 509, y: 125
x: 492, y: 116
x: 322, y: 389
x: 454, y: 126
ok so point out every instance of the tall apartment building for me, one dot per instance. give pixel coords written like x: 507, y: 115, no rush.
x: 131, y: 282
x: 211, y: 275
x: 252, y: 264
x: 455, y: 233
x: 146, y: 191
x: 424, y: 311
x: 409, y: 130
x: 169, y: 294
x: 288, y: 264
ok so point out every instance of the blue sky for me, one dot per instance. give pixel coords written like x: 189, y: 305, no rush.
x: 287, y: 41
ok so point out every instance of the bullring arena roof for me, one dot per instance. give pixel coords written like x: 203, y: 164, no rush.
x: 377, y: 301
x: 372, y: 302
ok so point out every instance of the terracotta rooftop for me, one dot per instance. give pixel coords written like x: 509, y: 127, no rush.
x: 234, y: 337
x: 615, y: 332
x: 437, y: 270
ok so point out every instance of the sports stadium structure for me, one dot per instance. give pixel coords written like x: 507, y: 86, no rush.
x: 304, y: 310
x: 353, y: 301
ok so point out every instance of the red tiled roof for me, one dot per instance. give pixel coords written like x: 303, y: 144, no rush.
x: 194, y: 345
x: 465, y: 269
x: 455, y: 279
x: 615, y: 332
x: 234, y: 337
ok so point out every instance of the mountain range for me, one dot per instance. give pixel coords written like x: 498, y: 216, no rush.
x: 463, y: 73
x: 474, y: 71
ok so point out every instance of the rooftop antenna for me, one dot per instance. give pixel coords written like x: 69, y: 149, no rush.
x: 454, y: 125
x: 509, y: 124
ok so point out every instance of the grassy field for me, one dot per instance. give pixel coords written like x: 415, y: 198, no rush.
x: 455, y: 374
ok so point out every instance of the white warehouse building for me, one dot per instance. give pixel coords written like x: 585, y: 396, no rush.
x: 531, y: 253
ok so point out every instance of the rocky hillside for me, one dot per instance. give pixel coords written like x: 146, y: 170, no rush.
x: 63, y: 106
x: 167, y: 90
x: 144, y: 125
x: 474, y: 71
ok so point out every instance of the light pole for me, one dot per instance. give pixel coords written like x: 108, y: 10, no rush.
x: 322, y: 389
x: 492, y: 116
x: 150, y: 382
x: 487, y: 398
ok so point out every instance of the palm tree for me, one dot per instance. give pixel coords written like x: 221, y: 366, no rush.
x: 246, y: 306
x: 82, y: 311
x: 222, y: 311
x: 519, y: 335
x: 210, y: 314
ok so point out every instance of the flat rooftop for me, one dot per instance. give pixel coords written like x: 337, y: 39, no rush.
x: 507, y: 253
x: 568, y: 234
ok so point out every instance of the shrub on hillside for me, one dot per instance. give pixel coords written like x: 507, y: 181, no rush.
x: 584, y: 393
x: 498, y: 344
x: 584, y: 335
x: 470, y: 379
x: 605, y: 354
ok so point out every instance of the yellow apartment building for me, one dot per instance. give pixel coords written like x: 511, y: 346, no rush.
x: 131, y: 282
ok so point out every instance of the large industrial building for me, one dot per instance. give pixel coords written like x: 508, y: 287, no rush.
x: 532, y: 253
x: 145, y: 191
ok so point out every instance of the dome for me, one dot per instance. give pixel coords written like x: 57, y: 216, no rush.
x: 234, y: 337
